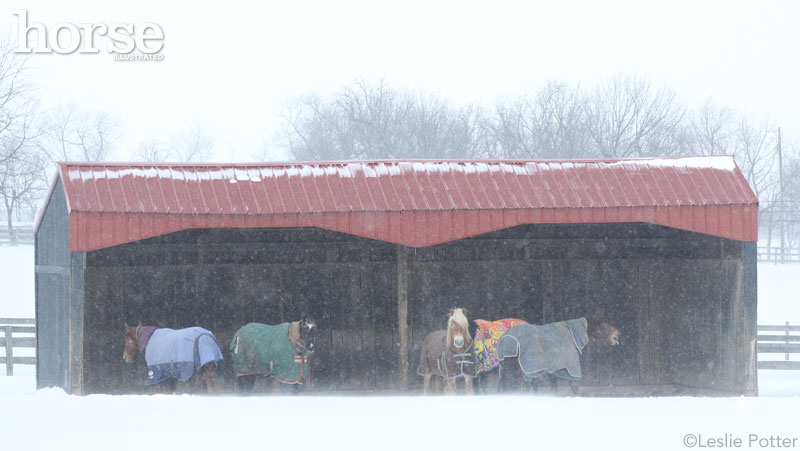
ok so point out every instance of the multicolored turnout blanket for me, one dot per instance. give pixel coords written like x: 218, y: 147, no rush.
x: 264, y: 349
x: 485, y: 340
x: 179, y: 353
x: 554, y: 348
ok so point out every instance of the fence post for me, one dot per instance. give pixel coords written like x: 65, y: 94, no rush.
x: 787, y: 338
x: 9, y: 352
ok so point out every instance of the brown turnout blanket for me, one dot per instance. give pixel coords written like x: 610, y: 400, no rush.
x: 438, y: 359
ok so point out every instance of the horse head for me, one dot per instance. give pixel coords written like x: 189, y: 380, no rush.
x: 308, y: 331
x: 459, y: 339
x: 596, y: 328
x: 131, y: 343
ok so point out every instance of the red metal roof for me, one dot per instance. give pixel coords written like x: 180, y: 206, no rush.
x: 415, y: 203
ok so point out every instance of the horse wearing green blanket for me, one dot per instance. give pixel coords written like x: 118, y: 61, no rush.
x: 280, y: 351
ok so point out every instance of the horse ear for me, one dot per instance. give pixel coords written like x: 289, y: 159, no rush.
x: 451, y: 312
x: 598, y: 315
x: 127, y: 328
x: 140, y: 324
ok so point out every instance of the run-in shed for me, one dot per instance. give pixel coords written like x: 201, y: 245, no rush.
x: 379, y: 251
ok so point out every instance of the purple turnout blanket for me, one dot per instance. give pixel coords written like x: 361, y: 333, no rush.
x: 178, y: 353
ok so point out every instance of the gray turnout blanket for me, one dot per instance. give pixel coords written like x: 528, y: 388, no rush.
x: 178, y: 353
x: 554, y: 348
x: 439, y: 360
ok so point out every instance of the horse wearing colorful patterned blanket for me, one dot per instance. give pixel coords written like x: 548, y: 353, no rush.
x: 486, y: 334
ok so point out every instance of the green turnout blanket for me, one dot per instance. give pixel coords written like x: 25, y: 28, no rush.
x: 262, y: 349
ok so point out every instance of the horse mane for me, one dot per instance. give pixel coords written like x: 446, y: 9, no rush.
x: 459, y: 317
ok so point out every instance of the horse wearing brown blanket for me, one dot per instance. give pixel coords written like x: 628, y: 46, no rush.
x: 449, y: 354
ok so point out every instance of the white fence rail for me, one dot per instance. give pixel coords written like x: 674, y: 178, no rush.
x: 19, y: 235
x: 774, y: 254
x: 779, y: 340
x: 25, y: 330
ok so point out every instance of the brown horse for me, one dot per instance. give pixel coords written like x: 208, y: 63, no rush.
x: 449, y: 354
x: 173, y: 355
x: 552, y: 350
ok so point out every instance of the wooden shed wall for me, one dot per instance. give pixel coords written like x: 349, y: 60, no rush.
x: 53, y: 272
x: 679, y: 298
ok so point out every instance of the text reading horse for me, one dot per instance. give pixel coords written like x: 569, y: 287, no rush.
x: 174, y: 355
x: 280, y: 351
x: 551, y: 350
x: 449, y: 354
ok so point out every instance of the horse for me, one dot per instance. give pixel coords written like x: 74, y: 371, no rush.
x: 551, y: 350
x: 449, y: 354
x: 174, y: 355
x: 279, y: 351
x: 486, y: 334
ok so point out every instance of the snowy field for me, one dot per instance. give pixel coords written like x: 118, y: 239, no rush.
x: 31, y: 419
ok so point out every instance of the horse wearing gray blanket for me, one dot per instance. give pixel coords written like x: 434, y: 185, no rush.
x: 550, y: 350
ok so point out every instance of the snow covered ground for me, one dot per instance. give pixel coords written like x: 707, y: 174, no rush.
x: 31, y: 419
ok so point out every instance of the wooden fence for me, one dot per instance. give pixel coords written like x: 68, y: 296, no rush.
x: 781, y: 340
x: 784, y: 342
x: 19, y: 235
x: 10, y: 326
x: 774, y: 254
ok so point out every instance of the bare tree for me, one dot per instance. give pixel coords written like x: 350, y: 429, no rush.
x: 548, y: 124
x: 791, y: 196
x: 367, y: 121
x: 629, y: 116
x: 22, y: 181
x: 22, y: 176
x: 712, y: 128
x: 755, y: 152
x: 76, y: 134
x: 193, y: 145
x: 151, y: 150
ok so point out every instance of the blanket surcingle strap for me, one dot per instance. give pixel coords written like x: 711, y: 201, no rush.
x: 264, y: 349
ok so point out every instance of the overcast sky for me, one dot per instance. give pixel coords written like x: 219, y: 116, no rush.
x: 229, y: 65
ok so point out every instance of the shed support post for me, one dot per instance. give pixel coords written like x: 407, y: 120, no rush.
x: 402, y: 314
x: 748, y: 295
x: 76, y: 313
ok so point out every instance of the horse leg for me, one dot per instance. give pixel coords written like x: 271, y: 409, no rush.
x: 426, y: 384
x: 468, y: 388
x: 244, y: 384
x: 210, y: 378
x: 450, y: 388
x: 173, y: 386
x: 554, y: 384
x: 574, y: 386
